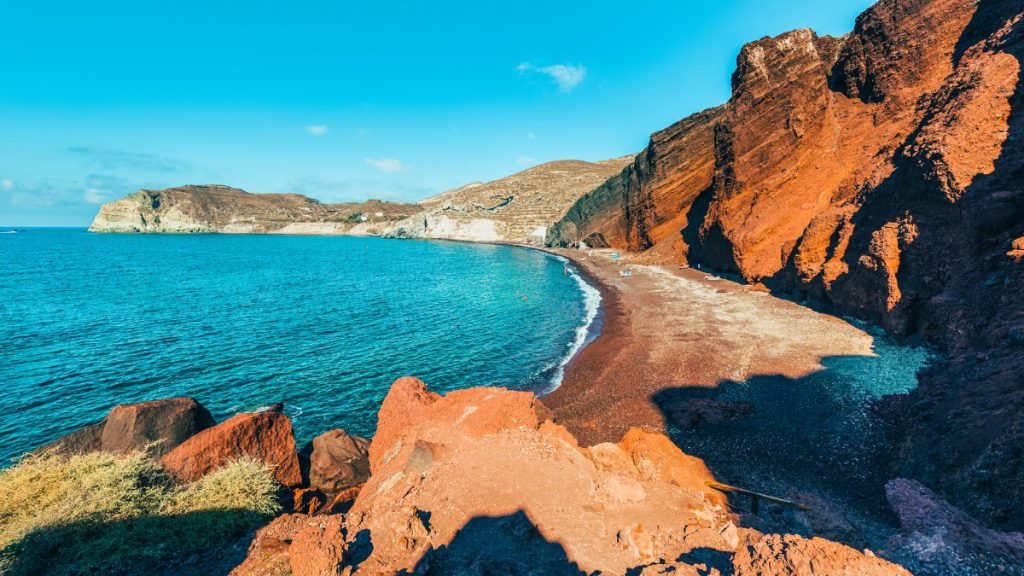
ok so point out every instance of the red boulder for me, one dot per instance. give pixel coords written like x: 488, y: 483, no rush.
x: 266, y: 436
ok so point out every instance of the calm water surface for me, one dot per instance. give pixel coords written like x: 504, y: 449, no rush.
x: 323, y: 324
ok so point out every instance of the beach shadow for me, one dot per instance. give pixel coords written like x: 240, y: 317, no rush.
x: 509, y: 545
x: 207, y: 543
x: 819, y: 434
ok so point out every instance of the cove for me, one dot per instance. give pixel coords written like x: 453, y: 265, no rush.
x: 323, y: 324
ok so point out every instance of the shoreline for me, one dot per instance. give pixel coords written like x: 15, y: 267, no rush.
x: 665, y: 329
x: 769, y: 393
x: 667, y: 342
x: 589, y: 331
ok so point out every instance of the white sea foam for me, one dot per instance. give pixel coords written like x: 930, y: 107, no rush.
x: 591, y: 306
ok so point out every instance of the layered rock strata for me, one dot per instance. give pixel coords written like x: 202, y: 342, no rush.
x: 880, y: 172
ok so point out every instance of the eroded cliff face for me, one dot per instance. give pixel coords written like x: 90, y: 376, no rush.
x: 647, y: 204
x: 222, y: 209
x: 881, y: 172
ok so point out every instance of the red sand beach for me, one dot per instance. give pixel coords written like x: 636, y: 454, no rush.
x: 666, y: 327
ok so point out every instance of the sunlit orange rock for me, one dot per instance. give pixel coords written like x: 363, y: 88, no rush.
x: 266, y: 436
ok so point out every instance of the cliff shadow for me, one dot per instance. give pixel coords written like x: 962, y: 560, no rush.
x: 695, y: 217
x: 509, y: 545
x: 818, y: 436
x: 209, y: 543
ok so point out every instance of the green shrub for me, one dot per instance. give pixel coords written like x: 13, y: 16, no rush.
x: 99, y: 512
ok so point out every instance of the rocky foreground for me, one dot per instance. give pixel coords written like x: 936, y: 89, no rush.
x: 481, y: 481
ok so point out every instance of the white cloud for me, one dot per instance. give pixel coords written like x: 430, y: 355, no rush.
x: 525, y: 160
x: 389, y: 165
x: 317, y: 129
x: 566, y: 76
x: 531, y: 135
x: 7, y: 184
x: 97, y: 196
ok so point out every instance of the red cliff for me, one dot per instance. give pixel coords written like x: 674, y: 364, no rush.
x: 881, y: 172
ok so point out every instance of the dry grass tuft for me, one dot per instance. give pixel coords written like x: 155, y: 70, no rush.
x: 99, y: 512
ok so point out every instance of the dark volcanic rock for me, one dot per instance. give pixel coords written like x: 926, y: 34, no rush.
x: 81, y: 441
x: 937, y: 539
x: 338, y: 461
x: 157, y: 426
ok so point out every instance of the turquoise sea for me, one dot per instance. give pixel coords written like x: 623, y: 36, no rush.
x: 323, y: 324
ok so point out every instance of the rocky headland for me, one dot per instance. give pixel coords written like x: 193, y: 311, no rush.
x: 226, y: 210
x: 519, y: 208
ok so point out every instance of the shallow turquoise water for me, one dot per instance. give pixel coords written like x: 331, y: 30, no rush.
x: 323, y: 324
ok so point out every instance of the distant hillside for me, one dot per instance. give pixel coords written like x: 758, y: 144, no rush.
x: 518, y: 208
x: 222, y: 209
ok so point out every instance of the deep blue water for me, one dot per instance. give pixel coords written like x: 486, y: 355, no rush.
x: 323, y: 324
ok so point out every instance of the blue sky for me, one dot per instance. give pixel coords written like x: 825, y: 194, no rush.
x: 347, y: 101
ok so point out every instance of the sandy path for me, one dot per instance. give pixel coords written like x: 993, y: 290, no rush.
x: 667, y: 328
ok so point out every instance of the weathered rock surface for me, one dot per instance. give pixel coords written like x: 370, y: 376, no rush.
x: 157, y: 426
x: 222, y: 209
x: 881, y: 172
x: 648, y: 203
x: 938, y: 539
x: 266, y: 436
x: 296, y: 545
x: 791, y: 555
x: 518, y: 208
x: 338, y: 462
x: 481, y: 481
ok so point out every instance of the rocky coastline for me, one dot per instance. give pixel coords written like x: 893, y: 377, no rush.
x: 477, y: 481
x: 878, y: 173
x: 516, y: 209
